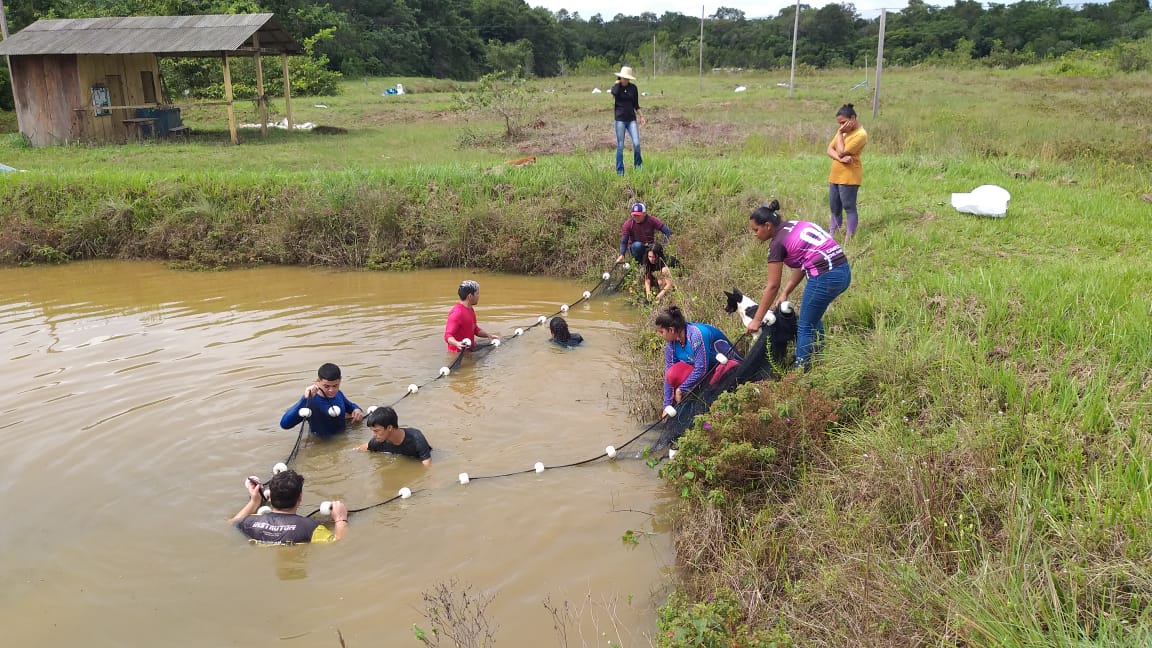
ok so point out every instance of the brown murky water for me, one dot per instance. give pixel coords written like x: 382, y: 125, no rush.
x: 139, y: 397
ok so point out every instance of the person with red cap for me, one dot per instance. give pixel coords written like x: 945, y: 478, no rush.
x: 639, y: 232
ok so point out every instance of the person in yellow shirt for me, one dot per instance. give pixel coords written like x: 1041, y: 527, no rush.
x: 847, y: 172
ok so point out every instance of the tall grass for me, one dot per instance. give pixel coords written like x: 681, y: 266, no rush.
x: 984, y: 476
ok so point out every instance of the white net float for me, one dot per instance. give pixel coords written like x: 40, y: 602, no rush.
x: 669, y: 411
x: 627, y: 266
x: 326, y: 508
x: 466, y: 342
x: 279, y: 468
x: 786, y: 307
x: 463, y: 478
x: 769, y: 318
x: 304, y: 412
x: 721, y: 358
x: 264, y: 510
x: 444, y: 371
x: 334, y: 411
x: 372, y: 408
x: 495, y: 341
x: 539, y: 466
x: 610, y: 451
x: 413, y: 388
x: 587, y: 294
x: 564, y: 308
x: 518, y: 332
x: 541, y: 319
x: 405, y: 493
x: 606, y: 276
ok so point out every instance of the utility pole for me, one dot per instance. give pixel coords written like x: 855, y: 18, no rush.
x: 701, y: 48
x: 795, y: 31
x: 879, y: 65
x: 653, y: 56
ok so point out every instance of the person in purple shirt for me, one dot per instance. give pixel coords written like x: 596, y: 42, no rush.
x: 639, y: 232
x: 328, y: 404
x: 811, y: 252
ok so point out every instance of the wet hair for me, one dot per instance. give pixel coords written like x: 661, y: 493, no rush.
x: 383, y: 416
x: 328, y: 371
x: 650, y: 269
x: 671, y: 318
x: 766, y: 213
x: 467, y: 287
x: 559, y: 328
x: 846, y: 111
x: 286, y: 488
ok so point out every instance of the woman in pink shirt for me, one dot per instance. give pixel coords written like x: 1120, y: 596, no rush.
x: 462, y: 330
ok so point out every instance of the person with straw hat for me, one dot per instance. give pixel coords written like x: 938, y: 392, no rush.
x: 628, y: 117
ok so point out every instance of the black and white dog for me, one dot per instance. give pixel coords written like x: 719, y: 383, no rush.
x: 780, y: 323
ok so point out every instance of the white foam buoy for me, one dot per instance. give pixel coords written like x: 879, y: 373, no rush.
x: 606, y: 276
x: 786, y: 307
x: 669, y: 411
x: 587, y: 294
x: 466, y: 342
x: 334, y: 411
x: 541, y: 319
x: 721, y: 358
x: 304, y: 412
x: 627, y: 266
x: 564, y: 308
x: 769, y: 318
x: 610, y: 451
x: 671, y: 452
x: 495, y: 341
x: 264, y: 510
x: 463, y: 478
x: 371, y: 408
x: 267, y: 493
x: 405, y: 493
x: 444, y: 371
x: 518, y: 332
x: 251, y: 480
x: 413, y: 388
x: 279, y: 468
x: 326, y: 508
x: 539, y: 466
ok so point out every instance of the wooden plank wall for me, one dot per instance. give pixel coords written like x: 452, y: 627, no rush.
x: 122, y: 71
x: 44, y: 89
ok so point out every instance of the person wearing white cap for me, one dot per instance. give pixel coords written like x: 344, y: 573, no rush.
x: 628, y: 117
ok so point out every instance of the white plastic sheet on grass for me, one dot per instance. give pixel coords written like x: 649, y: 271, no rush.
x: 985, y: 200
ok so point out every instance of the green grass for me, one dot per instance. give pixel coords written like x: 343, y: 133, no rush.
x: 987, y: 480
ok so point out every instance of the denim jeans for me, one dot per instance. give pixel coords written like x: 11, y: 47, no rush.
x: 633, y: 130
x: 638, y: 251
x: 843, y: 198
x: 819, y: 291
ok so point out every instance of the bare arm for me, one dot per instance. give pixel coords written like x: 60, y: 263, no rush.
x: 775, y: 271
x: 254, y: 498
x: 793, y: 280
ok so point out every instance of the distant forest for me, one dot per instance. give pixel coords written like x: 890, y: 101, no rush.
x: 464, y: 39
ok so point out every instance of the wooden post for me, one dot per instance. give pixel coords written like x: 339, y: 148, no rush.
x: 261, y: 100
x: 287, y: 91
x: 879, y: 65
x: 228, y: 100
x: 795, y: 34
x: 701, y: 48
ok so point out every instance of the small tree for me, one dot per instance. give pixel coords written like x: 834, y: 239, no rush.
x: 502, y: 94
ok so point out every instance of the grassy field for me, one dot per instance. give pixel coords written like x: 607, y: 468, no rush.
x: 968, y: 464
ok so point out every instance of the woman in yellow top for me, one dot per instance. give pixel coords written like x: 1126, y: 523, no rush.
x: 847, y: 172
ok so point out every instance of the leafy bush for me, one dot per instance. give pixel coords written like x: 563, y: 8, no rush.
x: 752, y: 437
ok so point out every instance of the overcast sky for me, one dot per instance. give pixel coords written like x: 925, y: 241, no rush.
x: 608, y: 9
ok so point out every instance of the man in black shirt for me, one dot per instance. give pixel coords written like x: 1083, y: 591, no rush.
x: 389, y: 437
x: 628, y: 115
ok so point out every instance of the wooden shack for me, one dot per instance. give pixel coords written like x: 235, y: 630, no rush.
x: 98, y: 79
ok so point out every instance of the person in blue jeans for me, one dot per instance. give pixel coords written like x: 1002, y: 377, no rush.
x: 812, y: 253
x: 628, y: 117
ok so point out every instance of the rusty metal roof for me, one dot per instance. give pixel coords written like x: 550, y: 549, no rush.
x: 161, y: 35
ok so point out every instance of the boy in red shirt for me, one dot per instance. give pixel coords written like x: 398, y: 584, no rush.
x: 461, y: 330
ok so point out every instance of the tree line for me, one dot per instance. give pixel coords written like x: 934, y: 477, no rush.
x: 464, y: 39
